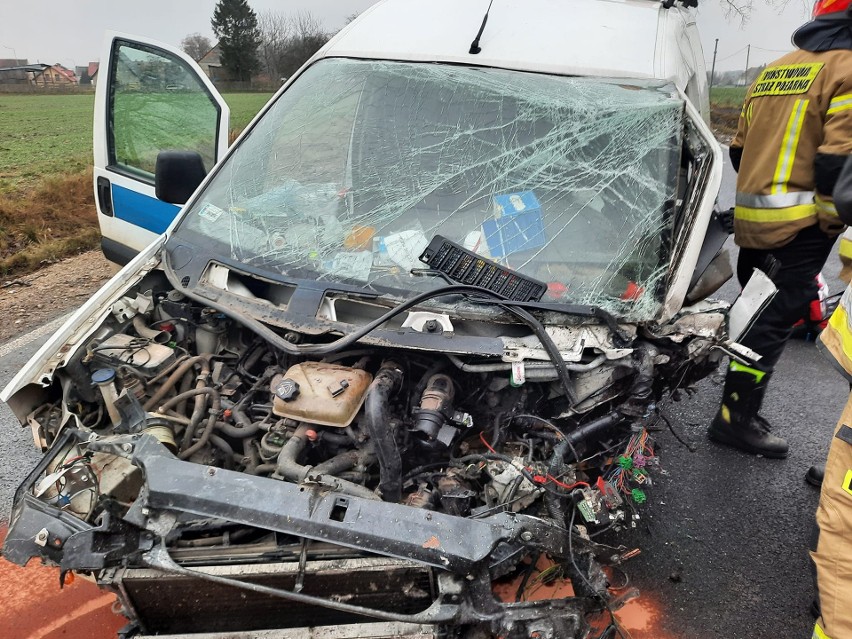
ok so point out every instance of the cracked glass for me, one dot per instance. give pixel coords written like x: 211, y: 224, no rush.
x: 359, y: 164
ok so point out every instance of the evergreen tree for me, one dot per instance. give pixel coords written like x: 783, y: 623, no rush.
x: 235, y: 24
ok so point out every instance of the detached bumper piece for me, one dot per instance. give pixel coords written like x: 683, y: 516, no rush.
x: 414, y: 567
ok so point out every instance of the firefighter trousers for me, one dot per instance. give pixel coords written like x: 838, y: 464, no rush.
x: 832, y: 555
x: 799, y: 262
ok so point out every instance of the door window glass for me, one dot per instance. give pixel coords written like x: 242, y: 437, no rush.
x: 157, y: 102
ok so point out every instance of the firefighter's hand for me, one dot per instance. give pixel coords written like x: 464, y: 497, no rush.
x: 726, y: 219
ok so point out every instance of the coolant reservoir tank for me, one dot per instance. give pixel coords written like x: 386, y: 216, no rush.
x: 318, y: 393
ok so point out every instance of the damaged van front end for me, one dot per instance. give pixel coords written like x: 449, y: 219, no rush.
x: 407, y: 342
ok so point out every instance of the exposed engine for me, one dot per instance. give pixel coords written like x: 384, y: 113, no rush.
x: 454, y: 435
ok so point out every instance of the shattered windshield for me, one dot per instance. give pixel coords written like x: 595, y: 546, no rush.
x: 359, y: 164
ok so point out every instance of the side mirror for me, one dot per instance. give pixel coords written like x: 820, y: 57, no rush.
x: 714, y: 266
x: 177, y: 175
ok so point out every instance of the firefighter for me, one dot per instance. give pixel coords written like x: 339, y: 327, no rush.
x: 846, y: 256
x: 832, y: 554
x: 815, y: 474
x: 793, y: 136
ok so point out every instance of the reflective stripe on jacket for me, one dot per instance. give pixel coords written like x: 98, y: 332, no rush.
x: 798, y: 108
x: 836, y: 337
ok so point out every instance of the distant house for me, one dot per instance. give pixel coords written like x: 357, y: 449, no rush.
x: 6, y: 63
x: 211, y: 64
x: 22, y: 74
x: 54, y: 76
x: 88, y: 75
x: 92, y: 72
x: 16, y: 71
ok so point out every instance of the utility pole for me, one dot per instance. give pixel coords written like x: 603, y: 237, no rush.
x: 713, y: 68
x: 745, y: 75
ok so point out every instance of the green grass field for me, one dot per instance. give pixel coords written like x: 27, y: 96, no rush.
x: 48, y: 135
x: 43, y: 135
x: 728, y: 97
x: 244, y: 106
x: 47, y: 208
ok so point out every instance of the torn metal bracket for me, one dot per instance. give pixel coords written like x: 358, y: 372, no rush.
x: 39, y: 530
x: 435, y: 539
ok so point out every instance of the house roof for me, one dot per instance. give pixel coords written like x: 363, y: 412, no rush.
x: 211, y: 57
x: 67, y: 73
x: 37, y: 68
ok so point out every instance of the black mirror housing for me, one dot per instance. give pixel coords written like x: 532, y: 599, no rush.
x: 177, y: 175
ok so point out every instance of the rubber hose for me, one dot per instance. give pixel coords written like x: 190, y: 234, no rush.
x: 140, y: 325
x: 377, y: 412
x: 208, y: 429
x: 287, y: 466
x: 173, y: 379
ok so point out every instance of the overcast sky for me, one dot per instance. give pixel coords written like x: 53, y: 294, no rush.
x: 70, y: 32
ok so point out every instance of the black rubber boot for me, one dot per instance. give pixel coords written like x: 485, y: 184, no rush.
x: 738, y: 424
x: 815, y: 475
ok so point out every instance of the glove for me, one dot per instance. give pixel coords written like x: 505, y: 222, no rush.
x: 726, y: 220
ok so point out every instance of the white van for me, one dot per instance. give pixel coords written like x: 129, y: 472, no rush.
x: 403, y: 340
x: 136, y: 117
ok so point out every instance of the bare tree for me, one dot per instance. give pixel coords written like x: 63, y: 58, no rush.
x: 287, y: 41
x: 196, y: 45
x: 275, y: 29
x: 741, y: 10
x: 307, y: 38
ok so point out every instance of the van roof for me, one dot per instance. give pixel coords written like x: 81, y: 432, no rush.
x: 617, y: 38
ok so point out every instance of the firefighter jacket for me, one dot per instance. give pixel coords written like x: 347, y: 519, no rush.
x: 836, y: 337
x: 845, y: 251
x: 793, y: 136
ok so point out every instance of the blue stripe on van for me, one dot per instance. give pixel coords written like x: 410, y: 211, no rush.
x: 142, y: 210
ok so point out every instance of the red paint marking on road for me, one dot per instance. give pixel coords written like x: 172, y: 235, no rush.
x: 32, y: 606
x: 639, y: 618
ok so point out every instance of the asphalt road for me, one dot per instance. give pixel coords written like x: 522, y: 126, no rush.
x: 17, y: 451
x: 724, y: 545
x: 724, y: 539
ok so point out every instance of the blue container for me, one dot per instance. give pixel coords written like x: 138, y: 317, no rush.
x: 517, y: 225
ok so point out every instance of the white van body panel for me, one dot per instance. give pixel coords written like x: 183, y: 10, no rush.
x: 607, y: 38
x: 604, y: 38
x: 113, y: 227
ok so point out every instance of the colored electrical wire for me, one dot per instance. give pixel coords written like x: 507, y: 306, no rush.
x: 566, y: 486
